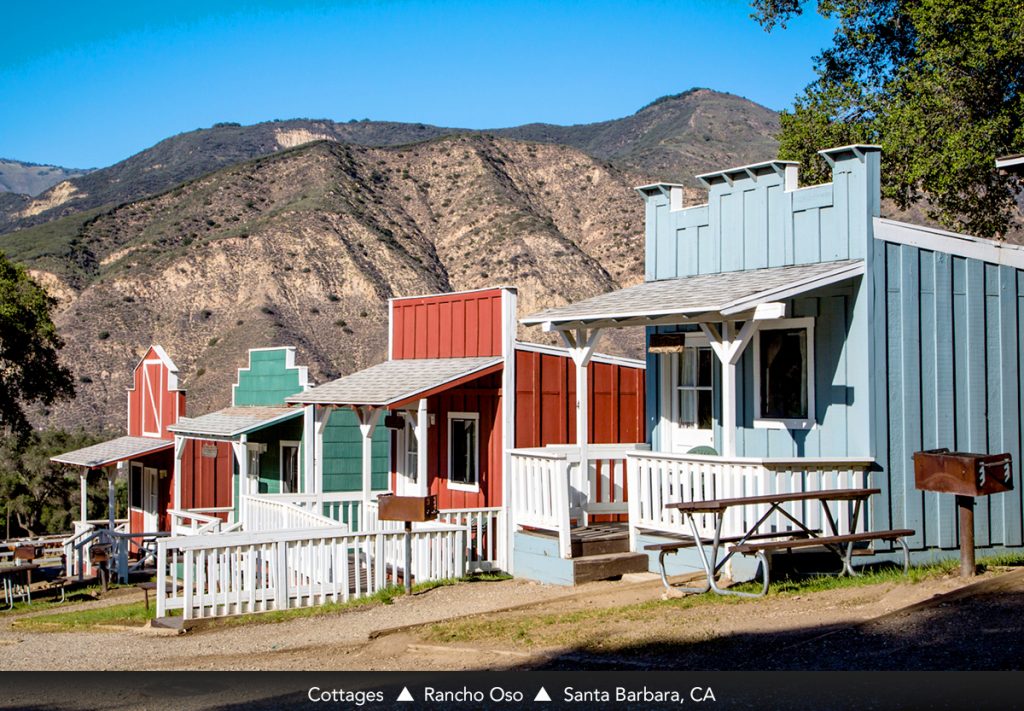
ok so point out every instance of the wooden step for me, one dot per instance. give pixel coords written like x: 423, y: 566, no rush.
x: 606, y: 566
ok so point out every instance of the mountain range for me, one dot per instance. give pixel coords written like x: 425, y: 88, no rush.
x: 297, y: 232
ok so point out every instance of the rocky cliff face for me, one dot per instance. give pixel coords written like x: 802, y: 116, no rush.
x: 306, y: 246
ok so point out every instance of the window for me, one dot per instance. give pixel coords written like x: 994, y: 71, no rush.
x: 412, y: 454
x: 289, y: 467
x: 784, y: 374
x: 135, y: 486
x: 464, y: 450
x: 693, y: 391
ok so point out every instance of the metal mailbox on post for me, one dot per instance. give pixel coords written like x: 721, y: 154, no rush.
x: 407, y: 509
x: 966, y: 475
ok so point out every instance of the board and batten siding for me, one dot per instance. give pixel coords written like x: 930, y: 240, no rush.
x: 460, y: 325
x: 948, y: 342
x: 762, y: 220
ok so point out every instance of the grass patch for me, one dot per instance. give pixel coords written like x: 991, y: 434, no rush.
x: 595, y: 627
x: 132, y: 614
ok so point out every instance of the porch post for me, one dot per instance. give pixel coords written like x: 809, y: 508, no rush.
x: 582, y: 345
x: 111, y: 494
x: 179, y: 453
x: 83, y: 487
x: 308, y: 448
x: 422, y: 424
x: 240, y: 451
x: 321, y: 416
x: 368, y: 417
x: 729, y: 346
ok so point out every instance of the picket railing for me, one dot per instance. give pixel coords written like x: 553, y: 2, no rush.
x: 540, y: 493
x: 191, y: 522
x: 485, y: 536
x: 78, y: 545
x: 656, y: 479
x: 343, y: 506
x: 236, y: 573
x: 260, y: 513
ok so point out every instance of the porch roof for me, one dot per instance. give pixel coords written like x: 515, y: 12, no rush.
x: 112, y: 451
x: 396, y: 381
x: 705, y: 297
x: 233, y: 422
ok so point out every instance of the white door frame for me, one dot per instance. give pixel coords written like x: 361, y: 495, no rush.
x: 676, y: 438
x: 150, y: 499
x: 298, y: 448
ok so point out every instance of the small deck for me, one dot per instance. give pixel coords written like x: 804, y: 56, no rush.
x: 599, y: 552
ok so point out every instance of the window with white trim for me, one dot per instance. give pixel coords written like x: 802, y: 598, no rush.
x: 784, y: 374
x: 693, y: 388
x: 464, y: 450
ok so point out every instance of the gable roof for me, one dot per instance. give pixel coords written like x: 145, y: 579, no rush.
x: 396, y: 381
x: 233, y: 422
x: 111, y: 451
x: 719, y: 294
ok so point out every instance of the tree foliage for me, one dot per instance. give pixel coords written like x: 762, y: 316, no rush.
x: 30, y: 372
x: 939, y: 84
x: 39, y: 496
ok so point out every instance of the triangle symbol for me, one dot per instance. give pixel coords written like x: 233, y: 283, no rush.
x: 542, y: 695
x: 405, y: 695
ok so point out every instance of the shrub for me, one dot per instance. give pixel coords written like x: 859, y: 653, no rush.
x: 104, y: 335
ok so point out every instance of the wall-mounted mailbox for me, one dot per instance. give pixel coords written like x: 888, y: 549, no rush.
x: 406, y: 508
x: 963, y: 473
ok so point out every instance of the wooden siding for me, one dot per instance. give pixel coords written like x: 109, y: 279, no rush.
x: 482, y: 396
x: 152, y: 405
x: 207, y: 481
x: 546, y: 401
x: 268, y: 379
x: 343, y: 455
x: 447, y: 325
x: 752, y: 223
x: 948, y: 365
x: 270, y: 461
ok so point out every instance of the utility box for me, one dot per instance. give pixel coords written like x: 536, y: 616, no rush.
x: 963, y: 473
x: 406, y: 508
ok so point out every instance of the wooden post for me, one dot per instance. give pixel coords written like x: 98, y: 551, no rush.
x: 408, y: 558
x: 83, y: 505
x: 368, y: 417
x: 422, y: 425
x: 965, y: 505
x: 582, y: 345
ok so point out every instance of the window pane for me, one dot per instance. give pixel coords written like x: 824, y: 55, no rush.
x: 135, y: 484
x: 783, y: 370
x: 704, y: 409
x: 687, y: 366
x: 463, y: 439
x: 704, y: 367
x: 687, y: 407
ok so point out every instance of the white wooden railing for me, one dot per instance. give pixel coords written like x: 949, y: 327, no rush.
x: 656, y: 479
x: 235, y: 573
x: 78, y: 545
x: 540, y: 493
x: 485, y: 540
x: 261, y: 513
x: 194, y: 522
x: 343, y: 506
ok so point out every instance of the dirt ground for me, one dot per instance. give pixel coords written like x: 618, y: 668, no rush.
x: 940, y: 623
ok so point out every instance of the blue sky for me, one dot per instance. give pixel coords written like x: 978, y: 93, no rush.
x: 86, y: 84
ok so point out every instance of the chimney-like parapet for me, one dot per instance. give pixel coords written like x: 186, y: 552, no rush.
x: 774, y: 171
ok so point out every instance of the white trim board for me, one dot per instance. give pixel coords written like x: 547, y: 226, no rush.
x: 597, y: 357
x: 955, y: 243
x: 810, y: 421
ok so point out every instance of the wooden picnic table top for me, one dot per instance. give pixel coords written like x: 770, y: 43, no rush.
x: 719, y: 505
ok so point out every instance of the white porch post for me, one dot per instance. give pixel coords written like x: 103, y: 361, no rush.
x: 729, y: 346
x: 308, y: 448
x: 582, y: 345
x: 240, y: 450
x: 179, y: 453
x: 111, y: 494
x: 422, y: 423
x: 368, y: 417
x: 83, y: 487
x: 322, y: 415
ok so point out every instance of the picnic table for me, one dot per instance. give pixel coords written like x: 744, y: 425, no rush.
x: 17, y: 581
x: 760, y: 543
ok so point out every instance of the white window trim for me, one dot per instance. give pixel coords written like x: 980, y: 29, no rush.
x: 456, y: 485
x: 298, y: 464
x: 785, y: 423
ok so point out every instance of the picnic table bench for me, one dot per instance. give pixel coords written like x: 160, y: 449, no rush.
x: 761, y: 543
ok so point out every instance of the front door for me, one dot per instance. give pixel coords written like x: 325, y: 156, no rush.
x: 289, y: 467
x: 408, y: 461
x: 150, y: 499
x: 689, y: 399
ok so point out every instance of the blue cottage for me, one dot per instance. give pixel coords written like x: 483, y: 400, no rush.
x: 796, y: 341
